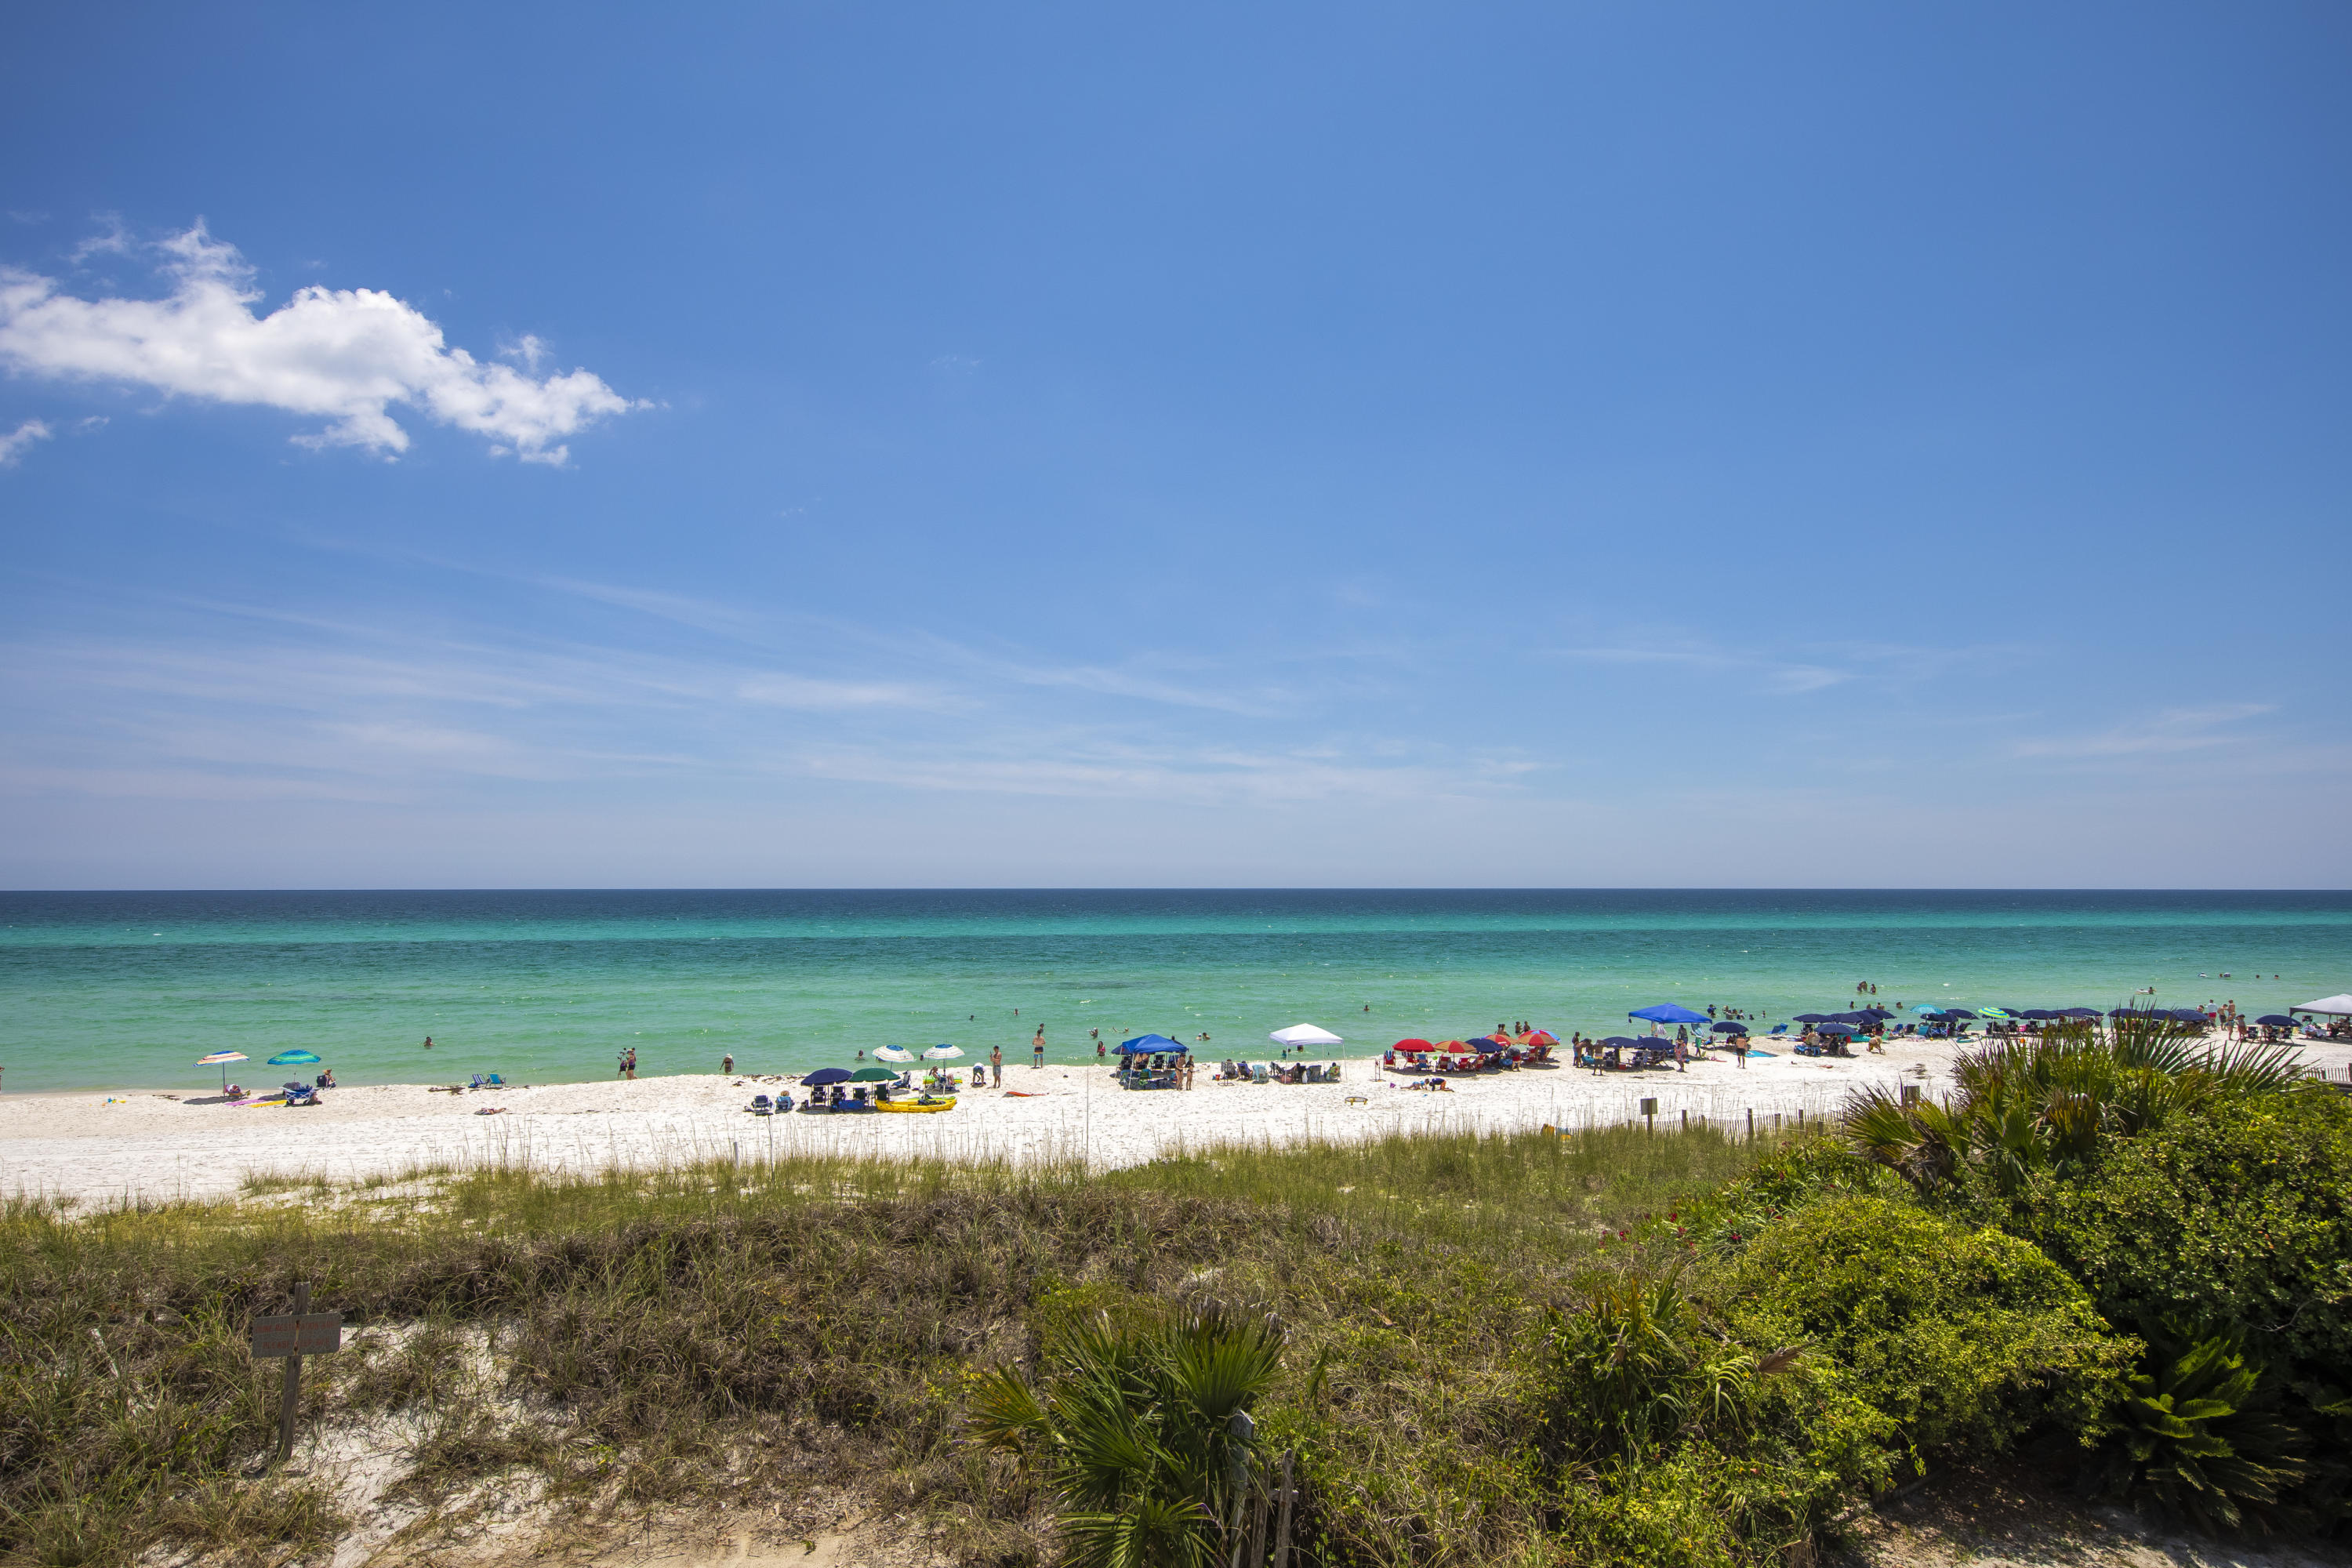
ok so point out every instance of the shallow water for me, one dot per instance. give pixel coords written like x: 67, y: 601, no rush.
x: 128, y: 989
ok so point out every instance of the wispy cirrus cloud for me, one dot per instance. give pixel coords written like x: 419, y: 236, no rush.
x: 2173, y: 731
x: 347, y: 355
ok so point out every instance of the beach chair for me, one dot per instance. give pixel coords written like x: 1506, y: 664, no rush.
x: 1257, y: 1074
x: 1780, y: 1028
x: 477, y: 1083
x: 494, y: 1081
x: 763, y: 1105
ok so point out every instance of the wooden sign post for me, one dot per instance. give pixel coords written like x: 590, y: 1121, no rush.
x: 1649, y: 1116
x: 291, y: 1339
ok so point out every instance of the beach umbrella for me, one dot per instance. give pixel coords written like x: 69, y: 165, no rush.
x: 1622, y: 1041
x: 1879, y: 1012
x: 823, y: 1076
x: 1543, y: 1038
x: 2191, y: 1016
x: 893, y: 1054
x: 2275, y: 1021
x: 1304, y: 1034
x: 2078, y: 1012
x: 221, y: 1060
x: 872, y: 1074
x: 1993, y: 1013
x: 294, y: 1058
x: 1928, y: 1007
x: 1415, y: 1044
x: 1834, y: 1028
x: 942, y: 1052
x: 1729, y: 1030
x: 1667, y: 1012
x: 1816, y: 1017
x: 2039, y: 1013
x: 1958, y: 1013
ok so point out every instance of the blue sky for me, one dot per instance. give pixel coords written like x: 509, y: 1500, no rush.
x: 1394, y: 444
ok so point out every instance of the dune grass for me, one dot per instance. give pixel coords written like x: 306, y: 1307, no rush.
x: 745, y: 1330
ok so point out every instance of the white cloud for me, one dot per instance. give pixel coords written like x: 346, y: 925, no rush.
x: 346, y: 354
x: 2175, y: 730
x: 13, y: 445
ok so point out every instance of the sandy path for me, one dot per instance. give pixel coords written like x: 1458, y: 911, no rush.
x: 95, y: 1148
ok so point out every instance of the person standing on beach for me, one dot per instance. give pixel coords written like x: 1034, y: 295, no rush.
x: 726, y: 1062
x: 1037, y: 1049
x: 996, y: 1061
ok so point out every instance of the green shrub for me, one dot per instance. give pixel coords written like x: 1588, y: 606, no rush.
x: 1965, y: 1337
x: 2241, y: 1214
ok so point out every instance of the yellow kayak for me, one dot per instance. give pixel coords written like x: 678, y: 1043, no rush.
x: 910, y: 1105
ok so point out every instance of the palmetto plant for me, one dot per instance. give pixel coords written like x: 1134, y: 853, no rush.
x: 1133, y: 1429
x: 2021, y: 1105
x: 2200, y: 1439
x: 1638, y: 1370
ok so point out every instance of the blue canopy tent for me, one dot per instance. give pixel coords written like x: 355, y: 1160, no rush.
x: 1668, y: 1013
x: 1151, y: 1046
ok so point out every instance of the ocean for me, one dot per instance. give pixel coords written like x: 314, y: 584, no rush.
x: 127, y: 990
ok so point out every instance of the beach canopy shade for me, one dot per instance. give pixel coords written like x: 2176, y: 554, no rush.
x: 893, y: 1054
x: 942, y: 1052
x: 294, y: 1058
x: 1147, y: 1045
x: 823, y: 1076
x: 2275, y: 1021
x: 1834, y: 1028
x: 2337, y: 1007
x: 1729, y: 1030
x: 1667, y: 1012
x: 1304, y: 1034
x: 1415, y: 1044
x: 872, y: 1074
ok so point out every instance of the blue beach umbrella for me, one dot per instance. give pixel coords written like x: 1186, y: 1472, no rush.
x: 293, y: 1058
x: 1729, y: 1030
x: 2078, y: 1012
x: 1958, y: 1013
x: 2038, y: 1013
x: 823, y: 1076
x: 1834, y: 1028
x: 1815, y: 1017
x: 1667, y: 1012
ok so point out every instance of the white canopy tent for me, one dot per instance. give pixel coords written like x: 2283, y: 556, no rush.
x: 1304, y: 1034
x: 2338, y: 1005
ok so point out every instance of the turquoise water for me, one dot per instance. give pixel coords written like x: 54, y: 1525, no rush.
x: 126, y: 990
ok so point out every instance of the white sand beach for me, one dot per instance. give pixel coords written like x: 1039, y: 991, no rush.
x: 144, y: 1146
